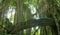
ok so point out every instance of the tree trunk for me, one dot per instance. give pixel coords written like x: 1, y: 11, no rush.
x: 19, y: 14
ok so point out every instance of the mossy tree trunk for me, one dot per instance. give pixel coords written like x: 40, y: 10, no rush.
x: 19, y: 14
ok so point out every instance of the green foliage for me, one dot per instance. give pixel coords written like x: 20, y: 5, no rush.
x: 25, y: 6
x: 13, y: 2
x: 58, y: 1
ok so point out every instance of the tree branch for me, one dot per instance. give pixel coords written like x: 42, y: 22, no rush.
x: 31, y: 23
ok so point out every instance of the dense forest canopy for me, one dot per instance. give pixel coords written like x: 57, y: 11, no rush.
x: 30, y: 17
